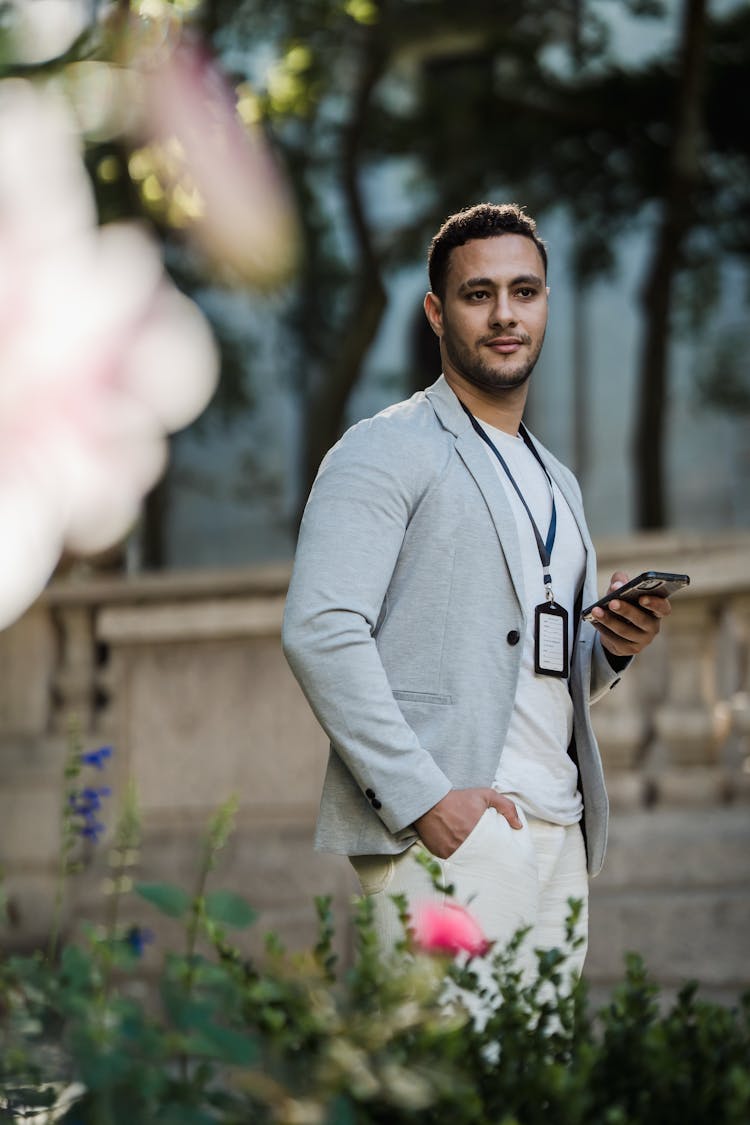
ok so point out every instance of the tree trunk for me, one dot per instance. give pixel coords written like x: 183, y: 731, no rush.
x: 581, y: 412
x: 153, y: 526
x: 658, y: 289
x: 325, y: 414
x: 327, y: 398
x: 581, y: 419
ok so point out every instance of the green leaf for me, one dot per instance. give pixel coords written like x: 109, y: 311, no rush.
x: 184, y: 1011
x: 76, y: 967
x: 166, y: 897
x: 229, y: 909
x: 222, y: 1043
x: 341, y: 1111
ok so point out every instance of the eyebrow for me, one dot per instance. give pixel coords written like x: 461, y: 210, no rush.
x: 488, y: 283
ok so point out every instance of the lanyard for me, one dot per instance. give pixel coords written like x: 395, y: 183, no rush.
x: 544, y: 546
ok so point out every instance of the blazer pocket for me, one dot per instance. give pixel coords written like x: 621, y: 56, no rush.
x: 423, y: 697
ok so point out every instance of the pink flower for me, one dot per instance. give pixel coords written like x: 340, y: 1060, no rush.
x: 242, y: 209
x: 100, y: 355
x: 448, y: 928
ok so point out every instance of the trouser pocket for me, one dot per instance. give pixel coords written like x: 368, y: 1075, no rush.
x: 475, y: 835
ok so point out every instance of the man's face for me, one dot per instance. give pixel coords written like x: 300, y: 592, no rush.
x: 492, y: 319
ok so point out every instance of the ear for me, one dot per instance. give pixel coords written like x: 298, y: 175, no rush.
x: 433, y: 310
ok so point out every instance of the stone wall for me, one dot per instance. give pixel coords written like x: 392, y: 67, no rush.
x: 183, y: 674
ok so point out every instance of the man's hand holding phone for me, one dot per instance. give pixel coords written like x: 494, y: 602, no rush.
x: 625, y: 627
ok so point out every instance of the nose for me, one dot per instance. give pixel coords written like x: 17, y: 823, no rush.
x: 501, y: 313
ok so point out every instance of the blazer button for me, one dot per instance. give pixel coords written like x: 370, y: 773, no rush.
x: 376, y: 804
x: 513, y: 637
x: 369, y: 793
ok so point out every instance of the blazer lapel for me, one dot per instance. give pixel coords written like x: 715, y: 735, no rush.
x: 472, y: 452
x: 574, y: 503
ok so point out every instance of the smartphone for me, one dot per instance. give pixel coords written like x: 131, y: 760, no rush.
x: 656, y: 582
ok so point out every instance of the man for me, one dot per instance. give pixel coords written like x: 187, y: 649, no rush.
x: 433, y: 619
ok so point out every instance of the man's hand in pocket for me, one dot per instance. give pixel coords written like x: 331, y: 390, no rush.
x: 447, y: 824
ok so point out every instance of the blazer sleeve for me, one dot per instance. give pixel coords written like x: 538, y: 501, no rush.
x: 349, y: 543
x: 604, y: 676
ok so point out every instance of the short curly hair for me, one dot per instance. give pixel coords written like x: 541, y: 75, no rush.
x: 484, y: 220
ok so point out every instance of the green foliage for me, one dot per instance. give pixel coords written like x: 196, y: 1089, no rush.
x: 294, y: 1039
x: 229, y: 909
x: 391, y: 1038
x: 297, y: 1039
x: 167, y: 898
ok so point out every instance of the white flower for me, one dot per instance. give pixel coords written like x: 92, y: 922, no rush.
x: 100, y: 355
x: 45, y: 29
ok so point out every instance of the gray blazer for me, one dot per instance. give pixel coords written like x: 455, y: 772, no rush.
x: 403, y: 609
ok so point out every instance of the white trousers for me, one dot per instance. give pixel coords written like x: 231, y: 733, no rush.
x: 507, y: 878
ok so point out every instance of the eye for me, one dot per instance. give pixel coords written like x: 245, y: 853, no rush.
x: 477, y: 295
x: 526, y: 291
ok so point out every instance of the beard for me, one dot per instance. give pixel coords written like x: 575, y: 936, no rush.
x: 469, y: 363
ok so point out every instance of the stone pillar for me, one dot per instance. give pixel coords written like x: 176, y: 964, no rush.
x: 686, y: 724
x: 738, y: 756
x: 75, y: 681
x: 31, y: 756
x: 621, y: 728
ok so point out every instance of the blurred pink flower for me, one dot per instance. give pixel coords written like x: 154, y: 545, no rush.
x: 447, y: 928
x: 100, y: 355
x: 244, y: 216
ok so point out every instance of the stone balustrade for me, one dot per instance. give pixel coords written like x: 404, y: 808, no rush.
x: 675, y: 737
x: 182, y: 672
x: 675, y: 730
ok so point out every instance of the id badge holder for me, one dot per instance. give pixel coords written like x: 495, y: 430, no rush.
x: 551, y: 640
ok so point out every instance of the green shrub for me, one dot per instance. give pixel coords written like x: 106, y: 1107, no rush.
x: 293, y: 1039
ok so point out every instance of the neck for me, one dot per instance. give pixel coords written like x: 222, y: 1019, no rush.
x: 503, y: 410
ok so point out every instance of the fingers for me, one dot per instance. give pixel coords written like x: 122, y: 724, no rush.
x: 659, y: 607
x: 505, y: 807
x: 640, y: 616
x: 618, y: 579
x: 626, y: 628
x: 619, y: 645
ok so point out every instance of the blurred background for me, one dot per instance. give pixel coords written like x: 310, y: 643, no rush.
x: 214, y: 219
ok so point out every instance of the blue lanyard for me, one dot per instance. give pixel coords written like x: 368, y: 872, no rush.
x: 544, y: 546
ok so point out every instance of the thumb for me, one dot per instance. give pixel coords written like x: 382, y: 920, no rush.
x: 505, y: 807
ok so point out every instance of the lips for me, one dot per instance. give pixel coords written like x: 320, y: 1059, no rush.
x: 505, y: 345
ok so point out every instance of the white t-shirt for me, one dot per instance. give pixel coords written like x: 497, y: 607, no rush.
x: 535, y: 768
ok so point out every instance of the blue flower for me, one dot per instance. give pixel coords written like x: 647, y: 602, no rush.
x: 85, y: 804
x: 97, y: 758
x: 88, y: 801
x: 137, y: 938
x: 91, y: 830
x: 95, y: 795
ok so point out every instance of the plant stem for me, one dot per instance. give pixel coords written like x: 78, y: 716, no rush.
x: 71, y: 772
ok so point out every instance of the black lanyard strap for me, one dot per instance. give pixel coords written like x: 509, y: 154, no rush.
x: 544, y: 546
